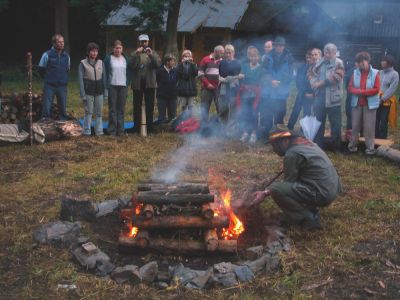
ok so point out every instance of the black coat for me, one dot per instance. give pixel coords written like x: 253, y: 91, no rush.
x: 187, y: 75
x: 166, y: 83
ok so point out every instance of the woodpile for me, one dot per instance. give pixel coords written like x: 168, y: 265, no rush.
x: 175, y: 218
x: 14, y: 109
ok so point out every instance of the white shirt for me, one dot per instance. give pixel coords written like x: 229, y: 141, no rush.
x: 118, y: 70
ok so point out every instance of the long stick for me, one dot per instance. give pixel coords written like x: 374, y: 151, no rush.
x: 267, y: 183
x: 29, y: 68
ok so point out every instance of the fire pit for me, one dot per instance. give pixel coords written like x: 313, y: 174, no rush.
x: 182, y: 217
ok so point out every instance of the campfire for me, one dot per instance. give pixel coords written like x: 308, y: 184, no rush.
x: 183, y: 217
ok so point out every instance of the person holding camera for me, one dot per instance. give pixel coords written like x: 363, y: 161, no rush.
x: 144, y: 64
x: 186, y: 75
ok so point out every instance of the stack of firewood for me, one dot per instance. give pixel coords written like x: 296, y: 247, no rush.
x: 14, y: 109
x: 175, y: 218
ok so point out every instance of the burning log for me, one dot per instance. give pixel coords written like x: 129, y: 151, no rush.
x: 206, y: 211
x: 190, y: 188
x: 180, y: 222
x: 211, y: 239
x: 157, y: 198
x: 142, y: 239
x: 181, y: 246
x: 148, y: 211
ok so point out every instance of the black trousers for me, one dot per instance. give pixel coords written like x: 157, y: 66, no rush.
x: 149, y: 95
x: 164, y: 105
x: 382, y: 119
x: 272, y: 112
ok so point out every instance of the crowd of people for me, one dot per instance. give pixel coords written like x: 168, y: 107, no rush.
x: 253, y: 93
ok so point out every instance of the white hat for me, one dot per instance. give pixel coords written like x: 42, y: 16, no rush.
x: 144, y: 37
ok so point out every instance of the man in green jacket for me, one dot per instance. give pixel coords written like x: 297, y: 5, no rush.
x: 310, y: 181
x: 144, y: 64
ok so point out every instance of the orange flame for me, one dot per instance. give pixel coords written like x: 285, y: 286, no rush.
x: 223, y: 206
x: 133, y: 232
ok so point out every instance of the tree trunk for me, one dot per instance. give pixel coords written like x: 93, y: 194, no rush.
x: 172, y: 28
x: 61, y: 20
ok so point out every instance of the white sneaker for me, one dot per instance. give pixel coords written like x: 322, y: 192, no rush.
x: 244, y: 137
x: 253, y: 138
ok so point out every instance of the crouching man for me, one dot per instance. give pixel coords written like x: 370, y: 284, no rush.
x: 310, y: 181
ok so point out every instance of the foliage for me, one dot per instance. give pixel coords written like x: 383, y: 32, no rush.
x: 4, y: 4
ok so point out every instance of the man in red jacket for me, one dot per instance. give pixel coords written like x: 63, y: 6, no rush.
x: 209, y: 77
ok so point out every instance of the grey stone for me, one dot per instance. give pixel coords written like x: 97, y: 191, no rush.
x: 82, y: 239
x: 62, y: 234
x: 226, y: 280
x: 148, y: 272
x: 224, y: 267
x: 128, y: 273
x: 188, y: 277
x: 88, y: 260
x: 200, y: 281
x: 103, y: 268
x: 106, y: 207
x: 253, y: 253
x: 163, y: 276
x: 75, y: 209
x: 258, y: 265
x: 273, y: 265
x: 244, y: 273
x: 123, y: 201
x: 274, y: 247
x: 161, y: 285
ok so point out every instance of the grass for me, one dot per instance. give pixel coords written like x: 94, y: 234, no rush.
x: 359, y: 237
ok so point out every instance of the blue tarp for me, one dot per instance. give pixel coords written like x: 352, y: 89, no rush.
x: 127, y: 125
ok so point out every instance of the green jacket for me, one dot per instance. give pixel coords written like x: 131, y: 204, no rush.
x: 153, y: 62
x: 309, y: 166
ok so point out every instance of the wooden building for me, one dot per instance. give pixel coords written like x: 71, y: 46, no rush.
x: 353, y: 26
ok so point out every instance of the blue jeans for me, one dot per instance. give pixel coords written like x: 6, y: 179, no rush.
x: 93, y: 103
x: 48, y: 95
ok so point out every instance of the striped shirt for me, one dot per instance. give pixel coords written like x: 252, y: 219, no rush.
x: 209, y: 71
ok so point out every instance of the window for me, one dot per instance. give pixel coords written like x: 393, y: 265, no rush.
x: 378, y: 19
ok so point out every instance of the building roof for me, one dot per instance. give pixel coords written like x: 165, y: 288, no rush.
x: 365, y: 18
x: 226, y: 14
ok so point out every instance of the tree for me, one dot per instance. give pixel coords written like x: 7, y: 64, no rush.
x: 151, y: 17
x: 61, y: 20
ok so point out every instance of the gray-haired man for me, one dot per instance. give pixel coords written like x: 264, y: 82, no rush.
x: 209, y: 76
x: 327, y: 82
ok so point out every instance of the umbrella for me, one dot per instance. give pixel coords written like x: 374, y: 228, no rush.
x: 310, y: 126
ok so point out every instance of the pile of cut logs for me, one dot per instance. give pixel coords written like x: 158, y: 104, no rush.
x: 14, y: 109
x: 175, y: 218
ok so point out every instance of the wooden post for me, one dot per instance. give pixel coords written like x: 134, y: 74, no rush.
x: 29, y: 68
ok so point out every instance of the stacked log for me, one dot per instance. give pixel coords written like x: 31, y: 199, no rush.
x: 14, y: 109
x: 176, y: 217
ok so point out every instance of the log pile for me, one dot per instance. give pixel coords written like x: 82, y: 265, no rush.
x: 175, y: 218
x: 14, y: 109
